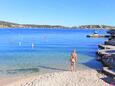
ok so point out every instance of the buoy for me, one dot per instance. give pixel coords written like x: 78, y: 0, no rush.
x: 33, y: 45
x: 20, y: 43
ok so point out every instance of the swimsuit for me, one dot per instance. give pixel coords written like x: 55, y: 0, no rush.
x: 73, y: 60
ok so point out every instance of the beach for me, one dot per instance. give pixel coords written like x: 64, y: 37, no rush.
x: 63, y: 78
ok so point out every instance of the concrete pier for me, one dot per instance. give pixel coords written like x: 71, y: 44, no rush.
x: 106, y: 46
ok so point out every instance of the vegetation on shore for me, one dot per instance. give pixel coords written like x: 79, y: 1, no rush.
x: 4, y: 24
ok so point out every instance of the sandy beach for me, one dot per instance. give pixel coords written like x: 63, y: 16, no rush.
x: 65, y: 78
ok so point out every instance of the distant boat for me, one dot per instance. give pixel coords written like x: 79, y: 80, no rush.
x: 95, y: 35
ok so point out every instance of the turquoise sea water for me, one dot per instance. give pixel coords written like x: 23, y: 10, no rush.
x: 25, y: 51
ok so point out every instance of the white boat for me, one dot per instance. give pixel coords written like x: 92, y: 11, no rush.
x: 95, y: 35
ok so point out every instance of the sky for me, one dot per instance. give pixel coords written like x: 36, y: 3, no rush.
x: 58, y: 12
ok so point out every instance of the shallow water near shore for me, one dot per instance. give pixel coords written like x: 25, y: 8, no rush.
x: 27, y: 51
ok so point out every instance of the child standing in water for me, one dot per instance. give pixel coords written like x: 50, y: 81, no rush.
x: 73, y: 59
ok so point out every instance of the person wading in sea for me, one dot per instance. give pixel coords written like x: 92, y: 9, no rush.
x: 73, y: 59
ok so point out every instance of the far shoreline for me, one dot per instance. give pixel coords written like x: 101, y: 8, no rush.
x: 60, y: 28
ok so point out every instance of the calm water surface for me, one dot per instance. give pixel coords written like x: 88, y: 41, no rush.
x: 37, y: 50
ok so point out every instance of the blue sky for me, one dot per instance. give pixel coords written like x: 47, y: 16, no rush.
x: 58, y: 12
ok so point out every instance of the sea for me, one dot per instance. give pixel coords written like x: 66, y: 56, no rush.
x: 41, y: 50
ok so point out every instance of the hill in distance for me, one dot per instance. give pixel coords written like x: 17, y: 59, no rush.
x: 5, y: 24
